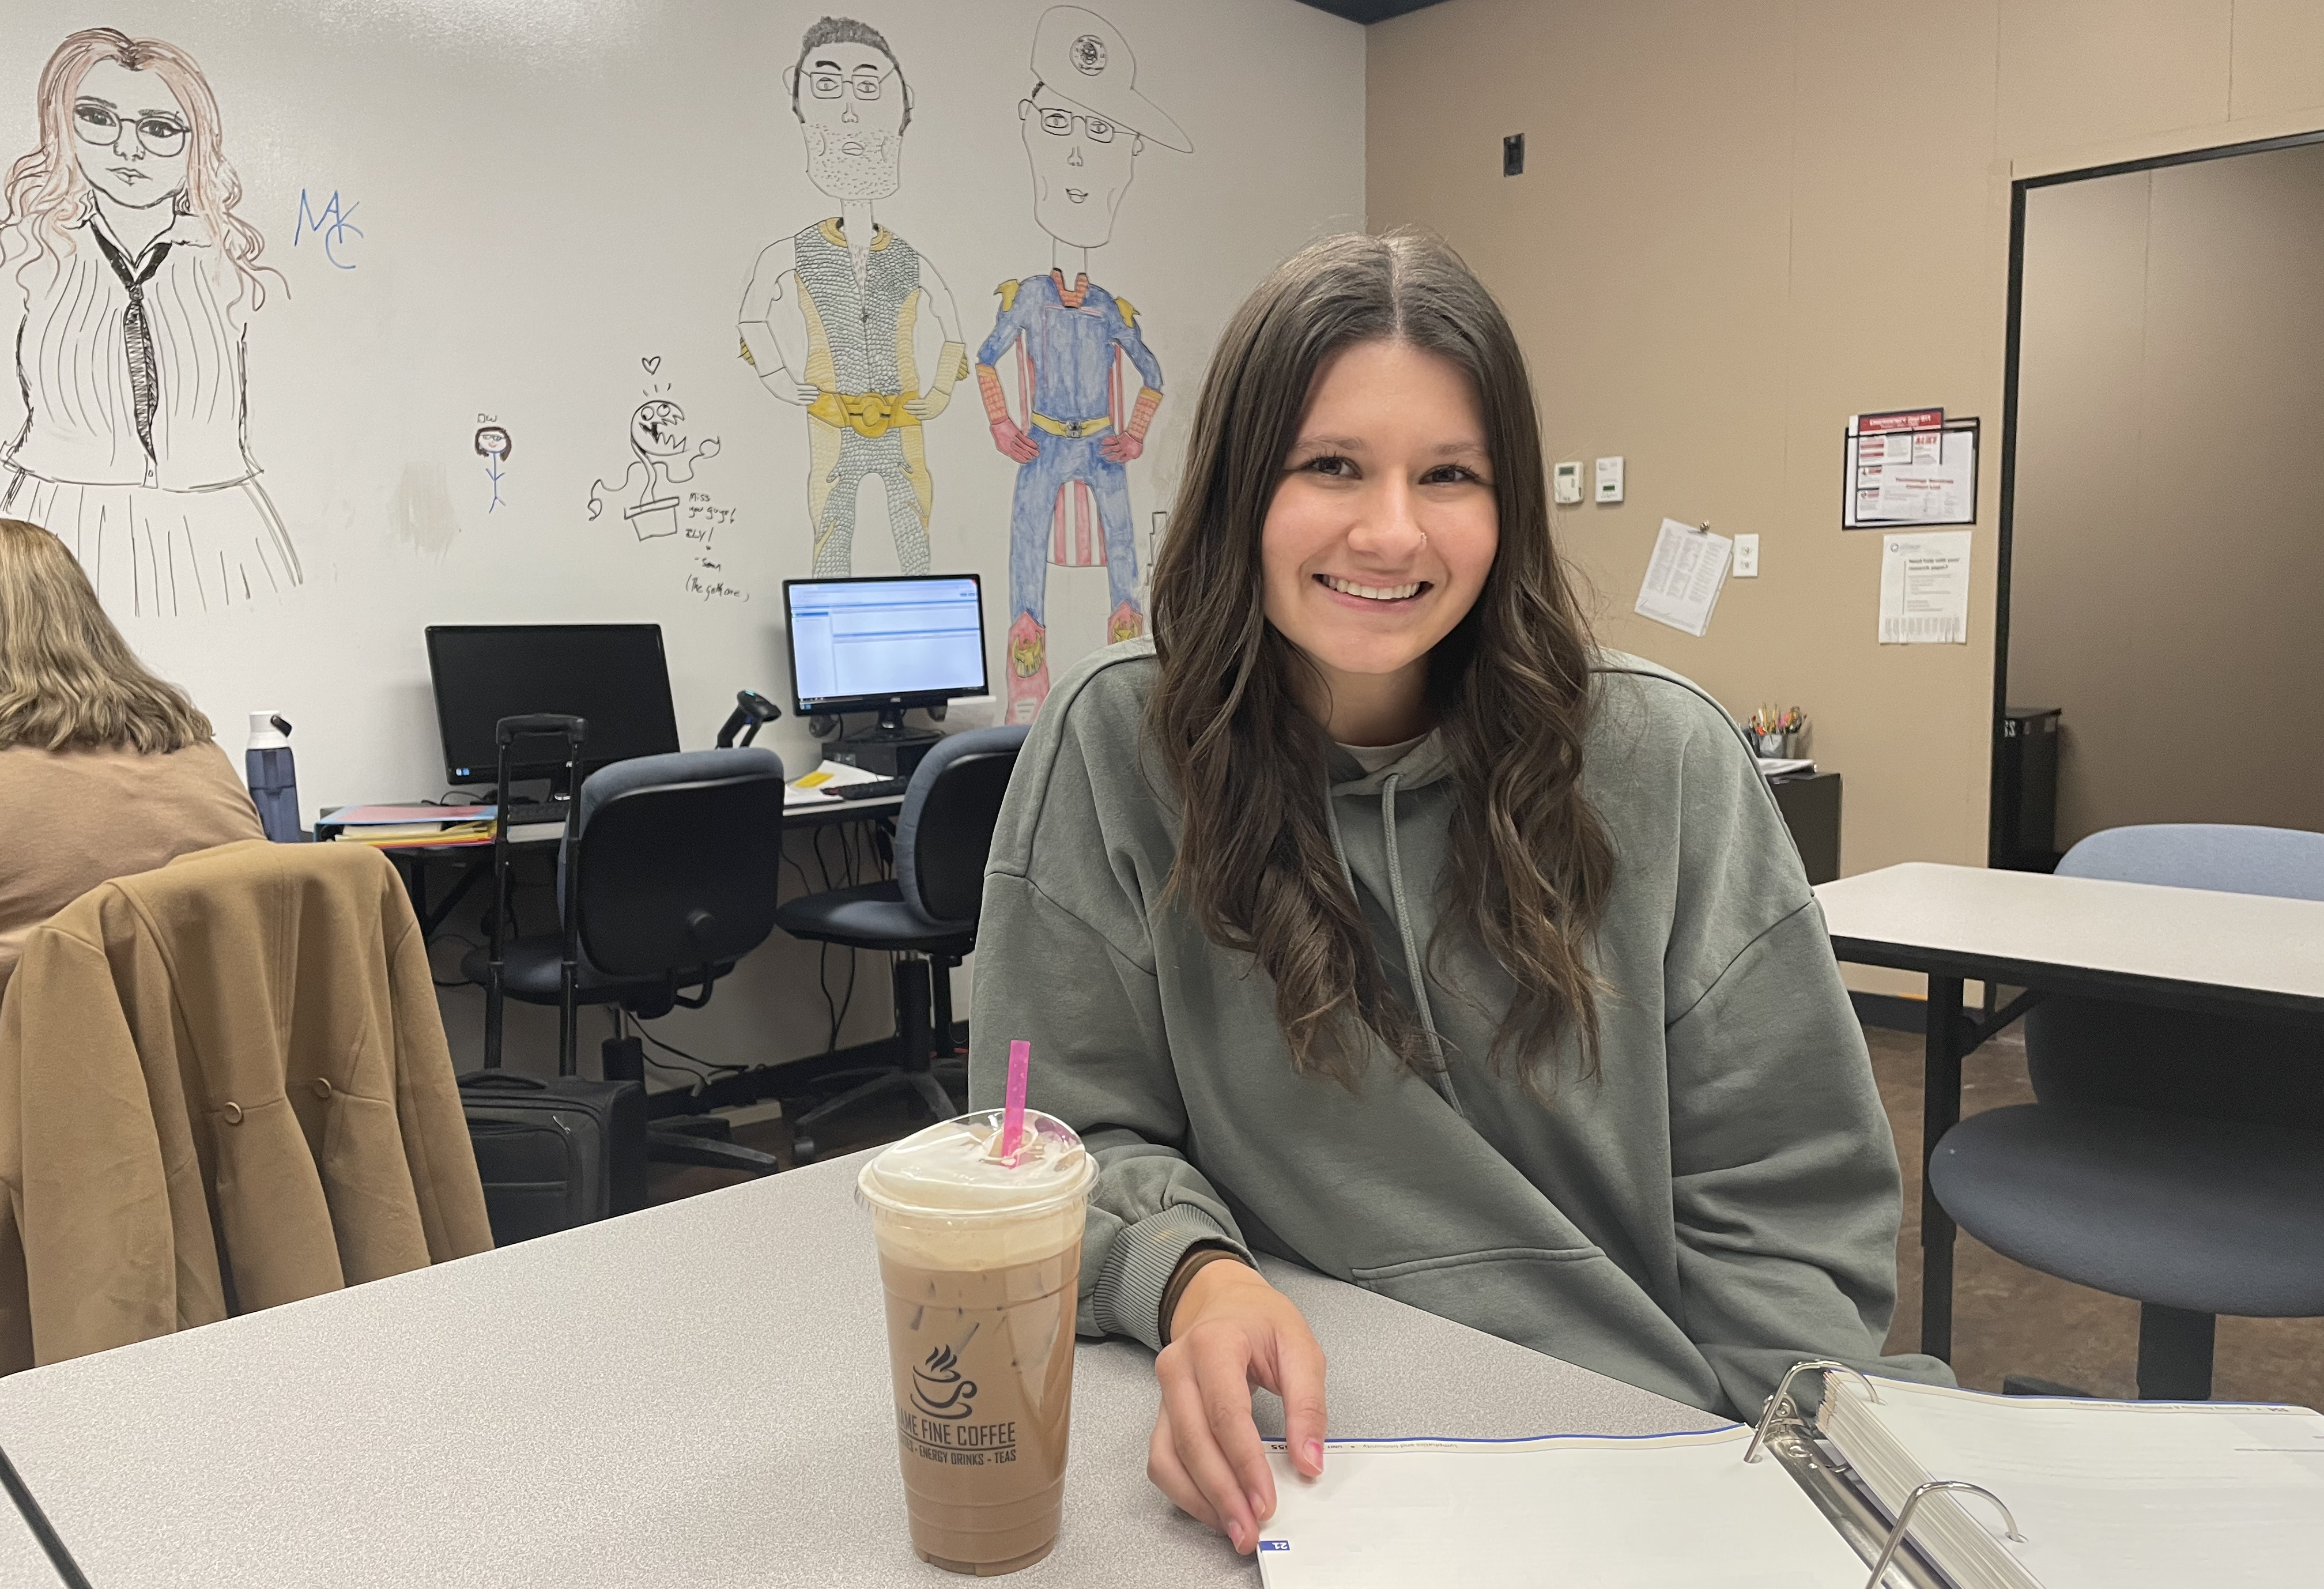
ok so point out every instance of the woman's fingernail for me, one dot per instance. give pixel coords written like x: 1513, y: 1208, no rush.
x: 1234, y: 1535
x: 1258, y: 1508
x: 1314, y: 1450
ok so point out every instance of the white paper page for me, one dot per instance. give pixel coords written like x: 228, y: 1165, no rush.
x: 1925, y: 588
x: 1684, y: 577
x: 811, y: 789
x: 2127, y: 1495
x: 1676, y: 1512
x: 1931, y: 484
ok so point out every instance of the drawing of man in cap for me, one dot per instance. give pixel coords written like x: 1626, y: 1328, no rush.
x: 831, y: 317
x: 1083, y: 127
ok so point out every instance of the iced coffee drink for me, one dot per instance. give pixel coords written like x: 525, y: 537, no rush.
x: 981, y: 1261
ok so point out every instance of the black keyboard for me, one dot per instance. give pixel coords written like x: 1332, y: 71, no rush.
x: 879, y: 788
x: 523, y: 813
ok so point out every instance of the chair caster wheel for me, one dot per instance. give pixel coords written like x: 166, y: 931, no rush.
x: 802, y: 1150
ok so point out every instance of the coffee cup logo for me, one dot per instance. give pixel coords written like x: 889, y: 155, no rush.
x: 939, y: 1391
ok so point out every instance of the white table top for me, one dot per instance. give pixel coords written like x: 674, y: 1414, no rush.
x: 693, y: 1395
x: 23, y: 1562
x: 2266, y: 948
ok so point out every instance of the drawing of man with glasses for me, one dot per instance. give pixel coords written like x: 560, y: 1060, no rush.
x: 1083, y: 127
x: 830, y: 319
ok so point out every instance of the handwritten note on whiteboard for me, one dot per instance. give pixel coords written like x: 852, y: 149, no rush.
x: 1684, y: 579
x: 1925, y: 588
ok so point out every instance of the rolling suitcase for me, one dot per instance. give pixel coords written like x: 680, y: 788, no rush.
x: 555, y: 1153
x: 563, y: 1152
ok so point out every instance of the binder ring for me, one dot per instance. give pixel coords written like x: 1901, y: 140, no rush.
x: 1911, y: 1504
x: 1780, y: 1404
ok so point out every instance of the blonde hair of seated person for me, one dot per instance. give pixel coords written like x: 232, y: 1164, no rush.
x: 68, y: 680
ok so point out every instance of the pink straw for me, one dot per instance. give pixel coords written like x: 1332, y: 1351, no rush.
x: 1012, y: 1117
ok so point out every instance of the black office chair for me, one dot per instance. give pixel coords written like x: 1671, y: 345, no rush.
x: 2173, y: 1159
x: 668, y: 876
x: 926, y: 915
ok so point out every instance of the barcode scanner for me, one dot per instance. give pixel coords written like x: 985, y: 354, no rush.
x: 751, y: 707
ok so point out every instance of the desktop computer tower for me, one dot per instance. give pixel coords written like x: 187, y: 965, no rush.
x: 2025, y: 791
x: 890, y: 755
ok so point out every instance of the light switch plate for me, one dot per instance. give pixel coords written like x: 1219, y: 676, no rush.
x: 1566, y: 481
x: 1610, y: 480
x: 1747, y: 557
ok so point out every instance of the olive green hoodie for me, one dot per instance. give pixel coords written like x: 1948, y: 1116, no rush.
x: 1721, y: 1201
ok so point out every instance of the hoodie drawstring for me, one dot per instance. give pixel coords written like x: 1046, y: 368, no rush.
x: 1439, y: 1077
x: 1412, y: 966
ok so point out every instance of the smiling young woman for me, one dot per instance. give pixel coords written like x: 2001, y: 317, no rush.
x: 1373, y: 917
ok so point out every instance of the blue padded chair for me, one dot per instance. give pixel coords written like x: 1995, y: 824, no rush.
x: 926, y: 915
x: 667, y: 878
x: 2171, y: 1158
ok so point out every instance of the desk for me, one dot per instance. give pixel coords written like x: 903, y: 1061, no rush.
x: 2234, y: 955
x: 692, y: 1395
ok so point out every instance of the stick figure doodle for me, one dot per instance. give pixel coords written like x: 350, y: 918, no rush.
x: 658, y: 462
x: 129, y: 343
x: 1083, y: 127
x: 830, y: 318
x: 493, y: 446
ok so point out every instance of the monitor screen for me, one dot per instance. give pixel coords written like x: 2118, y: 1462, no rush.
x: 858, y: 645
x: 612, y: 674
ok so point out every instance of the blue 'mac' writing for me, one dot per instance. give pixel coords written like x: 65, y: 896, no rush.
x: 333, y: 223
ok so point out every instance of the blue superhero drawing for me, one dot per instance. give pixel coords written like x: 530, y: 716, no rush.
x: 1083, y: 127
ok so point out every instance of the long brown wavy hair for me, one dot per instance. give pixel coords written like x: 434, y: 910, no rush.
x: 1530, y: 863
x: 67, y: 680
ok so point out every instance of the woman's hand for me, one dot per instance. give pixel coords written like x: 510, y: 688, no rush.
x: 1232, y: 1330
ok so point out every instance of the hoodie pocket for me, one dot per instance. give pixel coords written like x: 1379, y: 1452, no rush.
x: 1385, y: 1278
x: 1530, y: 1295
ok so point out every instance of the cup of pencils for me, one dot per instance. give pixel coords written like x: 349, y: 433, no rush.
x: 1776, y: 731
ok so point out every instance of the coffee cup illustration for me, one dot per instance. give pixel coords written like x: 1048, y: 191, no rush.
x: 937, y: 1389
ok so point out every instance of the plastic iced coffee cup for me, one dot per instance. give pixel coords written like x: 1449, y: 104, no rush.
x: 981, y: 1263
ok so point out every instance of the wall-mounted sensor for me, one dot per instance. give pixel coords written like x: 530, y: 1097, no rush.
x: 1610, y: 480
x: 1566, y: 482
x: 1512, y: 155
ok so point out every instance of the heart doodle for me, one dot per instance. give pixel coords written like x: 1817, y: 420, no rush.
x: 653, y: 365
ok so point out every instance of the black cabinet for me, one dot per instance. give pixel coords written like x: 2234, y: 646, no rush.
x: 1810, y: 803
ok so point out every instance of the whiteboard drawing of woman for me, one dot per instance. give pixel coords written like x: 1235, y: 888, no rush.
x: 134, y: 276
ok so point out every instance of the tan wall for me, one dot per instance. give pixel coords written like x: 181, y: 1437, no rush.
x: 1742, y: 220
x: 2167, y: 575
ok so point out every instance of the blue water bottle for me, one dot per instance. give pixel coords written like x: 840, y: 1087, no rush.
x: 273, y: 779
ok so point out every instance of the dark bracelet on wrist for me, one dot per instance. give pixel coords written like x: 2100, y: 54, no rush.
x: 1190, y: 1263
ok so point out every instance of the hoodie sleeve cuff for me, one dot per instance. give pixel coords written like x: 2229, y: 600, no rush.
x: 1127, y: 1297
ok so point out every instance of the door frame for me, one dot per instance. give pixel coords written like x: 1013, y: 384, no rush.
x: 2018, y: 190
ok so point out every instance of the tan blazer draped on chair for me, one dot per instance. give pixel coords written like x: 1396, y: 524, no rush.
x: 224, y: 1085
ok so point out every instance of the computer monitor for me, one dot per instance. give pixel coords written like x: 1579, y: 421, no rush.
x: 884, y: 643
x: 612, y: 674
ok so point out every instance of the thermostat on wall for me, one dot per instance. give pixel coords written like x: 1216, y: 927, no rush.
x: 1610, y: 480
x: 1566, y: 482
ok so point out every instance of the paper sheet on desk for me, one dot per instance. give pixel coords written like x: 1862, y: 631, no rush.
x: 1577, y: 1511
x: 813, y: 789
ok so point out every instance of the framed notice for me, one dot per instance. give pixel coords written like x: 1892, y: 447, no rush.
x: 1913, y: 467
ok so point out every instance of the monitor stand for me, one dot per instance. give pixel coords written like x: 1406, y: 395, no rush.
x: 887, y: 748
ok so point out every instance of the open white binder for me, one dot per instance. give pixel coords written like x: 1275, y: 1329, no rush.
x: 1893, y: 1483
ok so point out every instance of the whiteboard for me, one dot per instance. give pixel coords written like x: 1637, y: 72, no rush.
x: 541, y: 214
x: 497, y: 233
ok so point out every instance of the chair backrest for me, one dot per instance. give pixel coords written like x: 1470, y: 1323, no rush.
x: 678, y: 859
x: 945, y: 827
x: 2090, y: 1051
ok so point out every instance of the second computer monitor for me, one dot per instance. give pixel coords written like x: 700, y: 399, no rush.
x: 884, y: 643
